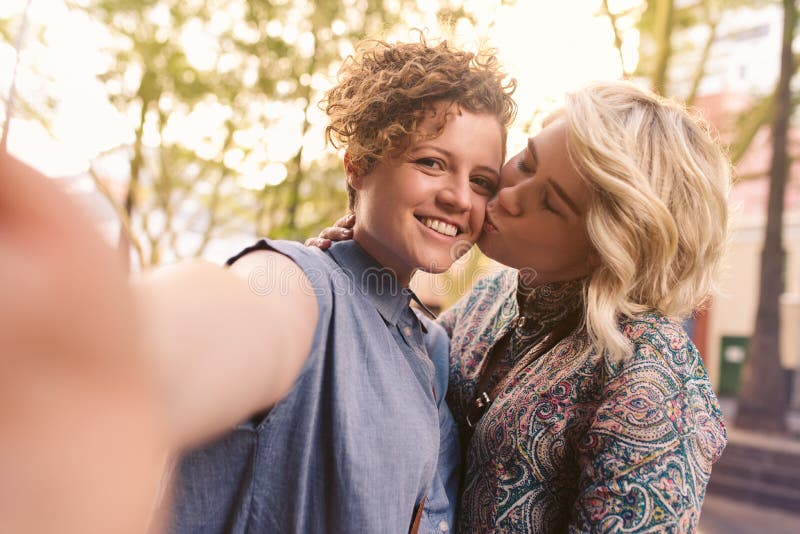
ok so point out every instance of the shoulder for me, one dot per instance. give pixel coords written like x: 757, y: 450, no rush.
x: 272, y: 264
x: 662, y: 342
x: 661, y: 352
x: 665, y: 382
x: 498, y: 282
x: 305, y: 257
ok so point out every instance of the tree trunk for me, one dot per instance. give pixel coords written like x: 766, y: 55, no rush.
x: 123, y: 243
x: 612, y: 19
x: 712, y: 19
x: 762, y: 399
x: 663, y: 34
x: 299, y: 176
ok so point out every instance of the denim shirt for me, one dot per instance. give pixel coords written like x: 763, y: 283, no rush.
x: 440, y: 507
x: 355, y: 444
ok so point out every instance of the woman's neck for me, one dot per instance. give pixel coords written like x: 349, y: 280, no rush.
x: 371, y: 246
x: 550, y: 301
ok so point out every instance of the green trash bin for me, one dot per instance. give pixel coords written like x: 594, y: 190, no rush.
x: 733, y: 352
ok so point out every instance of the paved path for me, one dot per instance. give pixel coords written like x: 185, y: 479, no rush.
x: 721, y: 515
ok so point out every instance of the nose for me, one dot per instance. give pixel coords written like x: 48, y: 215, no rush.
x: 457, y: 195
x: 510, y: 174
x: 506, y: 198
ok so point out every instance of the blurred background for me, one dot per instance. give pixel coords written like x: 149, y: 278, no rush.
x: 190, y: 127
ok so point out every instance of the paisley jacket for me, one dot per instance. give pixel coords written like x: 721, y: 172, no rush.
x: 575, y: 442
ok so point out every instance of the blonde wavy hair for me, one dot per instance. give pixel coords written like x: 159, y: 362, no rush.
x: 384, y: 91
x: 657, y: 213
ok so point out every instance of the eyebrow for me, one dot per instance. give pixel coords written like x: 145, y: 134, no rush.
x: 564, y: 196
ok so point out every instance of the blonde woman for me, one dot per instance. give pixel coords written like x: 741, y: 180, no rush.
x: 582, y: 404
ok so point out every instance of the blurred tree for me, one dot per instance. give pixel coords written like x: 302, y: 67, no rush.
x: 663, y: 22
x: 763, y: 394
x: 764, y: 388
x: 222, y: 98
x: 658, y: 22
x: 16, y: 31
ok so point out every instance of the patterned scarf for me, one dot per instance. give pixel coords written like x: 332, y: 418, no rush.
x: 541, y: 309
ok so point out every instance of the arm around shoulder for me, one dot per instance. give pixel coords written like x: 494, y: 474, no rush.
x: 226, y: 343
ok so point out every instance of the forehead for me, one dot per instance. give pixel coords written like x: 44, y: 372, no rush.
x: 460, y: 130
x: 554, y: 162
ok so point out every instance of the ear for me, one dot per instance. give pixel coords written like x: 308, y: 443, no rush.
x: 352, y: 174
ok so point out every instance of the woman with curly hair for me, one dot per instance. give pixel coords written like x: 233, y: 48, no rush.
x: 354, y: 442
x: 581, y: 402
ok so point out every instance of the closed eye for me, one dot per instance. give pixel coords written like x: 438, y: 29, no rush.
x: 524, y: 167
x: 546, y: 203
x: 528, y: 167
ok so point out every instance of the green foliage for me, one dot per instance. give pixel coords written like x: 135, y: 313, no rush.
x: 221, y: 98
x: 253, y: 63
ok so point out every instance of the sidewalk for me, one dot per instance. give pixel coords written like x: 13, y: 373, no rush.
x: 755, y: 485
x: 721, y: 515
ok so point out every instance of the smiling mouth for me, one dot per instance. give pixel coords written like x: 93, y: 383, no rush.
x: 440, y: 227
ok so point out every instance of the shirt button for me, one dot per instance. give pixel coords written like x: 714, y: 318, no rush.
x: 443, y: 526
x: 520, y: 322
x: 407, y: 331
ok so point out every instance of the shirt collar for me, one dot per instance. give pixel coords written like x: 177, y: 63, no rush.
x: 546, y: 305
x: 376, y: 282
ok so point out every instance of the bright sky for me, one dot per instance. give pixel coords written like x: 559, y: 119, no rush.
x: 548, y: 46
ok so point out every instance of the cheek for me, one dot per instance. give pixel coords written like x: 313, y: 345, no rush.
x: 478, y: 212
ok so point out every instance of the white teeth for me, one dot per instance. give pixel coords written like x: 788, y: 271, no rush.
x: 440, y: 227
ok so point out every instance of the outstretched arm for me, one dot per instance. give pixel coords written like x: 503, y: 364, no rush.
x: 81, y: 428
x: 223, y: 349
x: 98, y: 379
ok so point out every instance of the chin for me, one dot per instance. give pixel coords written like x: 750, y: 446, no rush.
x: 435, y: 263
x: 436, y: 267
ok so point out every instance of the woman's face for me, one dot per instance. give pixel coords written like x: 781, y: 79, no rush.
x: 537, y: 221
x: 426, y: 209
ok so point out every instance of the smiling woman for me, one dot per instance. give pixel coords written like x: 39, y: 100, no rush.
x: 583, y: 405
x: 426, y: 209
x: 362, y: 438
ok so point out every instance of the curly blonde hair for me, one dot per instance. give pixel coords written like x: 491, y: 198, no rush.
x: 384, y: 91
x: 657, y: 214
